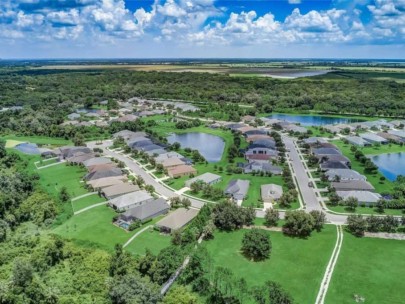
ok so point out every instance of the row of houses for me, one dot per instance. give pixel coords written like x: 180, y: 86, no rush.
x: 284, y: 125
x: 133, y: 203
x: 174, y: 163
x: 337, y: 168
x: 380, y: 126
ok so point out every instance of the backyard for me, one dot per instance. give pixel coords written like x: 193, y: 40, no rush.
x: 94, y: 228
x: 87, y: 201
x: 370, y: 268
x: 380, y: 186
x: 306, y: 257
x: 55, y: 177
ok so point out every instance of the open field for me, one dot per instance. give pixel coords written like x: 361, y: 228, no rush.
x: 150, y: 239
x: 94, y: 228
x: 40, y: 140
x: 371, y: 268
x: 297, y: 264
x: 55, y: 177
x: 365, y: 210
x: 87, y: 201
x: 266, y: 69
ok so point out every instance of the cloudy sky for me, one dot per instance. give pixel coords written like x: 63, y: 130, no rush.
x: 202, y: 28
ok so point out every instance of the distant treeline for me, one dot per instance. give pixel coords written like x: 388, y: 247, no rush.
x: 53, y: 93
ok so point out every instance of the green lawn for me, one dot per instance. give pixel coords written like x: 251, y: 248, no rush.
x: 365, y: 210
x: 371, y: 268
x: 318, y: 133
x: 374, y: 179
x: 94, y: 228
x: 151, y: 239
x: 87, y: 201
x: 297, y: 264
x: 41, y: 140
x: 55, y: 177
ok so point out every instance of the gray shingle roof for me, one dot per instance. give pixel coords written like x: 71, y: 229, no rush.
x: 177, y: 219
x: 146, y: 211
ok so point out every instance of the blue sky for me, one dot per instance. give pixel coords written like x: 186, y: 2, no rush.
x: 202, y: 28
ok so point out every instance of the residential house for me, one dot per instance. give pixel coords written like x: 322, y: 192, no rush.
x: 234, y: 126
x: 101, y: 167
x: 126, y: 134
x: 263, y: 143
x: 364, y: 197
x: 312, y: 141
x: 103, y: 173
x: 255, y: 132
x: 254, y: 137
x: 130, y: 200
x: 206, y: 178
x: 330, y: 164
x: 271, y: 193
x: 172, y: 154
x: 245, y: 129
x: 353, y: 185
x: 358, y: 141
x: 68, y: 151
x: 338, y: 157
x: 344, y: 175
x: 172, y: 162
x: 127, y: 117
x: 145, y: 212
x: 265, y: 151
x: 258, y: 157
x: 117, y: 190
x: 176, y: 220
x: 260, y: 166
x: 373, y: 138
x: 332, y: 129
x: 79, y: 158
x: 325, y: 151
x: 182, y: 170
x: 107, y: 181
x: 97, y: 161
x: 237, y: 189
x: 399, y: 133
x: 391, y: 137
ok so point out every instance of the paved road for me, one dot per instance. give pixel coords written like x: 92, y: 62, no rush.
x: 149, y: 180
x: 308, y: 194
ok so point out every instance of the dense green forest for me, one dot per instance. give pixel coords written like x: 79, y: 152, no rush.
x: 48, y: 90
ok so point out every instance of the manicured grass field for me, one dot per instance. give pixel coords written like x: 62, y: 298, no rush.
x: 374, y: 179
x: 371, y: 268
x: 151, y: 239
x: 42, y: 140
x: 297, y: 264
x: 365, y: 210
x: 87, y: 201
x: 94, y: 228
x: 55, y: 177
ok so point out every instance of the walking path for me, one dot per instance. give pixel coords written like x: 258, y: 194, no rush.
x: 136, y: 234
x: 84, y: 195
x: 89, y: 207
x: 50, y: 165
x: 173, y: 278
x: 320, y: 299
